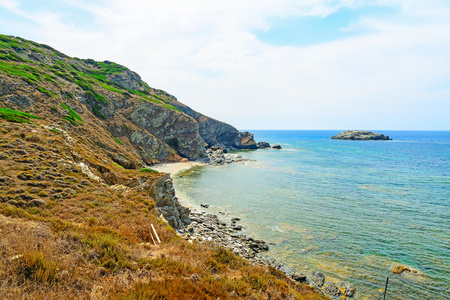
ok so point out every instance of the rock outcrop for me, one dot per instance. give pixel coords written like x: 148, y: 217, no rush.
x: 217, y: 133
x: 262, y: 145
x: 360, y: 135
x: 162, y: 191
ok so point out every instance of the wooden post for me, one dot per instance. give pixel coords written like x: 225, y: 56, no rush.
x: 385, y: 288
x: 157, y: 237
x: 154, y: 243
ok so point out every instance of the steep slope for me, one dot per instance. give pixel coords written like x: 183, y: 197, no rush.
x: 147, y: 124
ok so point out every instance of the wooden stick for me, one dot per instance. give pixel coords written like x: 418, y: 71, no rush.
x: 157, y: 237
x: 153, y: 239
x: 385, y: 288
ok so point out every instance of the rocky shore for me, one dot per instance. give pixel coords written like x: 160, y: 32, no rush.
x: 197, y: 225
x: 227, y: 232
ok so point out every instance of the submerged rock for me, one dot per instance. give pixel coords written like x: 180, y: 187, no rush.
x: 400, y: 269
x: 360, y: 135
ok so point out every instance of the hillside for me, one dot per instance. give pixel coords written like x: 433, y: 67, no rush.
x: 77, y: 203
x: 129, y: 117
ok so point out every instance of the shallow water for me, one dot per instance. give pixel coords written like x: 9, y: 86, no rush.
x: 350, y: 209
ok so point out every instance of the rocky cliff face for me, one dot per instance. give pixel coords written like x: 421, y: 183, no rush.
x: 217, y: 133
x: 134, y: 123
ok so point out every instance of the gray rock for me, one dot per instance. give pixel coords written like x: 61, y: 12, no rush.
x: 298, y: 277
x: 262, y: 145
x: 331, y: 288
x: 360, y: 135
x: 176, y: 129
x: 318, y: 278
x: 20, y: 100
x: 215, y: 132
x: 36, y: 203
x: 348, y: 289
x: 128, y: 79
x: 276, y: 146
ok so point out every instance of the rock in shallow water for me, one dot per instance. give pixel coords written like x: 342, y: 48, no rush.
x: 318, y: 278
x: 262, y: 145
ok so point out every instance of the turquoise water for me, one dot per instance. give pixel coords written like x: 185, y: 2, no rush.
x: 350, y: 209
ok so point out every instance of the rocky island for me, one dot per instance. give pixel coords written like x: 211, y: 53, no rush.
x: 360, y: 135
x: 82, y: 213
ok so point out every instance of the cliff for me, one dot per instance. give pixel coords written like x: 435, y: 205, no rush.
x: 150, y: 124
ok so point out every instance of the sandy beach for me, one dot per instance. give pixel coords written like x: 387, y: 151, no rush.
x: 174, y: 168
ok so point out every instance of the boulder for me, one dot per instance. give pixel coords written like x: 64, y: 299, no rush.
x: 276, y: 146
x: 331, y: 288
x: 347, y: 289
x: 360, y: 135
x: 36, y: 203
x: 318, y: 278
x: 262, y: 145
x: 298, y: 277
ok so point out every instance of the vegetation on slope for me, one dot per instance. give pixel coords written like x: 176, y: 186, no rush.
x: 75, y: 223
x: 37, y: 63
x: 64, y: 235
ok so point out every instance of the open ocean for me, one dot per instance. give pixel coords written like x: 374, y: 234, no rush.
x: 350, y: 209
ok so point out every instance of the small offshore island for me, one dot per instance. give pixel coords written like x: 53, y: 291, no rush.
x: 361, y: 135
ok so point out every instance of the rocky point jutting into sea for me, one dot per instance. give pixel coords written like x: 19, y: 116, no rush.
x: 83, y: 214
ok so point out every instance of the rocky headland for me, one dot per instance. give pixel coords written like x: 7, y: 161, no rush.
x: 360, y: 135
x: 82, y: 213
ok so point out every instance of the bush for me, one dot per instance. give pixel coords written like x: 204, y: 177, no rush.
x: 148, y: 170
x: 35, y: 265
x: 11, y: 115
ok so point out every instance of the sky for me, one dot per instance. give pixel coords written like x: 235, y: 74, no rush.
x: 263, y: 64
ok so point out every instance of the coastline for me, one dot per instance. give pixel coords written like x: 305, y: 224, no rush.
x: 174, y: 168
x: 225, y: 231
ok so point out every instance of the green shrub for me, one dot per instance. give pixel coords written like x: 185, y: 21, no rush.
x: 107, y: 247
x: 11, y: 115
x: 71, y: 112
x: 148, y: 170
x: 117, y: 141
x: 43, y: 90
x: 73, y: 117
x: 37, y: 266
x: 171, y: 107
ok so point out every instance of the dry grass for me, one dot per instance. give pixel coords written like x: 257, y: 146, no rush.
x: 90, y: 242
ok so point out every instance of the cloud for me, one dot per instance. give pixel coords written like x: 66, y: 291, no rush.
x: 205, y: 53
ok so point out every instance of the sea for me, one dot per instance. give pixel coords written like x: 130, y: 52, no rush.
x: 352, y: 210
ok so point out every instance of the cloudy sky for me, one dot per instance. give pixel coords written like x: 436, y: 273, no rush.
x: 263, y: 64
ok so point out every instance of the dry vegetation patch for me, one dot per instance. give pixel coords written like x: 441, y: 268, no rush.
x: 64, y: 235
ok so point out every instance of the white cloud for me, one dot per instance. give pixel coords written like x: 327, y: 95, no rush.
x: 204, y: 53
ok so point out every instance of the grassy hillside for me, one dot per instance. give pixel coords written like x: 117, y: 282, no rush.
x: 76, y: 206
x: 66, y: 235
